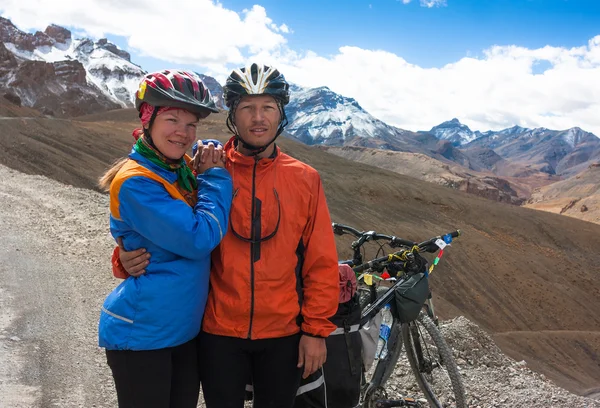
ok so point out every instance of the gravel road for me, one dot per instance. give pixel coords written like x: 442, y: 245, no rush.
x: 54, y: 274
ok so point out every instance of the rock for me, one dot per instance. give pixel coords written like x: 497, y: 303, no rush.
x: 7, y: 59
x: 103, y: 43
x: 12, y: 98
x: 58, y: 33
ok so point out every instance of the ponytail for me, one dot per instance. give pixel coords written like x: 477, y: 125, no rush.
x: 107, y: 178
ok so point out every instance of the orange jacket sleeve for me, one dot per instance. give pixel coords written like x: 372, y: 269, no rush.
x: 117, y: 266
x: 320, y: 276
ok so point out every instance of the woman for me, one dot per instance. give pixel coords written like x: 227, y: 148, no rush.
x: 149, y: 323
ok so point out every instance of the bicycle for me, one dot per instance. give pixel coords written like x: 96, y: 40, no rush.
x: 429, y: 356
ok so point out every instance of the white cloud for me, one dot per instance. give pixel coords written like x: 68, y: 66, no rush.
x: 499, y: 89
x: 496, y: 91
x: 200, y: 32
x: 428, y: 3
x: 433, y: 3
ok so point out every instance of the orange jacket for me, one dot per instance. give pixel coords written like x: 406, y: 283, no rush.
x: 285, y: 284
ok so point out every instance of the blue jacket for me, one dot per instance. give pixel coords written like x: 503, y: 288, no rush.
x: 164, y: 306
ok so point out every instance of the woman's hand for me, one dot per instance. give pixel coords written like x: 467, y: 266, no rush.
x: 208, y: 156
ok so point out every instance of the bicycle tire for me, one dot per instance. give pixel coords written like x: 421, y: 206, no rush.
x: 364, y: 296
x: 435, y: 349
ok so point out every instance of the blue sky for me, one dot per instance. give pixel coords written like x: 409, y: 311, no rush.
x: 490, y: 63
x: 433, y: 37
x: 429, y: 37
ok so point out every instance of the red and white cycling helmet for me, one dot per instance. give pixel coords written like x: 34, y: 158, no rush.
x: 177, y: 89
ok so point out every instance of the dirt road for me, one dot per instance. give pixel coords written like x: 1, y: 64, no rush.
x: 51, y: 288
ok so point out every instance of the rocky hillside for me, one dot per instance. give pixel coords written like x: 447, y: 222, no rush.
x: 425, y: 168
x: 511, y: 190
x: 491, y: 378
x: 577, y: 196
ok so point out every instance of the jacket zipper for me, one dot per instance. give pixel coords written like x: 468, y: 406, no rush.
x: 252, y: 246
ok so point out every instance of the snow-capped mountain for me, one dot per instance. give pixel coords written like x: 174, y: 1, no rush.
x: 560, y: 152
x: 515, y: 130
x: 455, y: 132
x: 215, y: 88
x: 91, y: 74
x: 321, y: 116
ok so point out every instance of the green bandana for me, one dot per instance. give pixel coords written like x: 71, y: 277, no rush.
x: 185, y: 177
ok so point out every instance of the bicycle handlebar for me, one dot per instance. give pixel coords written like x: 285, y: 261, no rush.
x: 420, y: 247
x: 364, y: 236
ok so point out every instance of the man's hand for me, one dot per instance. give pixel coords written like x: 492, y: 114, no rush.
x: 133, y: 262
x: 313, y: 353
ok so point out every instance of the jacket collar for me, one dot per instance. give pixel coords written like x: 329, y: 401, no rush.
x: 239, y: 159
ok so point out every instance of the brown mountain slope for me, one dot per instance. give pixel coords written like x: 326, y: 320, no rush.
x: 74, y: 152
x: 577, y: 196
x: 513, y: 270
x: 506, y: 189
x: 9, y: 109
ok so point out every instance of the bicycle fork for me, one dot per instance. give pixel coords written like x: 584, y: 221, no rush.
x: 426, y: 365
x: 430, y: 310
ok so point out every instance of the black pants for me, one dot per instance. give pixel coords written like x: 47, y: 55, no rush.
x: 164, y: 378
x: 227, y: 364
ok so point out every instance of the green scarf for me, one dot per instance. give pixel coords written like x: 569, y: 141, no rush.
x: 185, y: 177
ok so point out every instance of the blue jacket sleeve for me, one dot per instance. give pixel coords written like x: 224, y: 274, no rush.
x: 173, y: 225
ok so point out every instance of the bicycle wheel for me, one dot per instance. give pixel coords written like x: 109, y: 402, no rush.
x: 432, y: 363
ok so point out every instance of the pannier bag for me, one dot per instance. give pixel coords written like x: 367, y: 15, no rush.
x: 410, y: 296
x: 337, y: 384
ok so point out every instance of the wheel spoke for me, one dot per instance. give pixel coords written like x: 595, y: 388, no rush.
x: 433, y: 365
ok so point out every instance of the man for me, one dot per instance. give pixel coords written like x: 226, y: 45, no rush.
x: 274, y: 276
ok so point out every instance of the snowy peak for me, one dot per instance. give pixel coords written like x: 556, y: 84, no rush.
x: 575, y: 136
x: 215, y: 88
x: 22, y: 41
x: 108, y: 68
x: 321, y: 116
x: 103, y: 43
x: 455, y: 132
x: 511, y: 131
